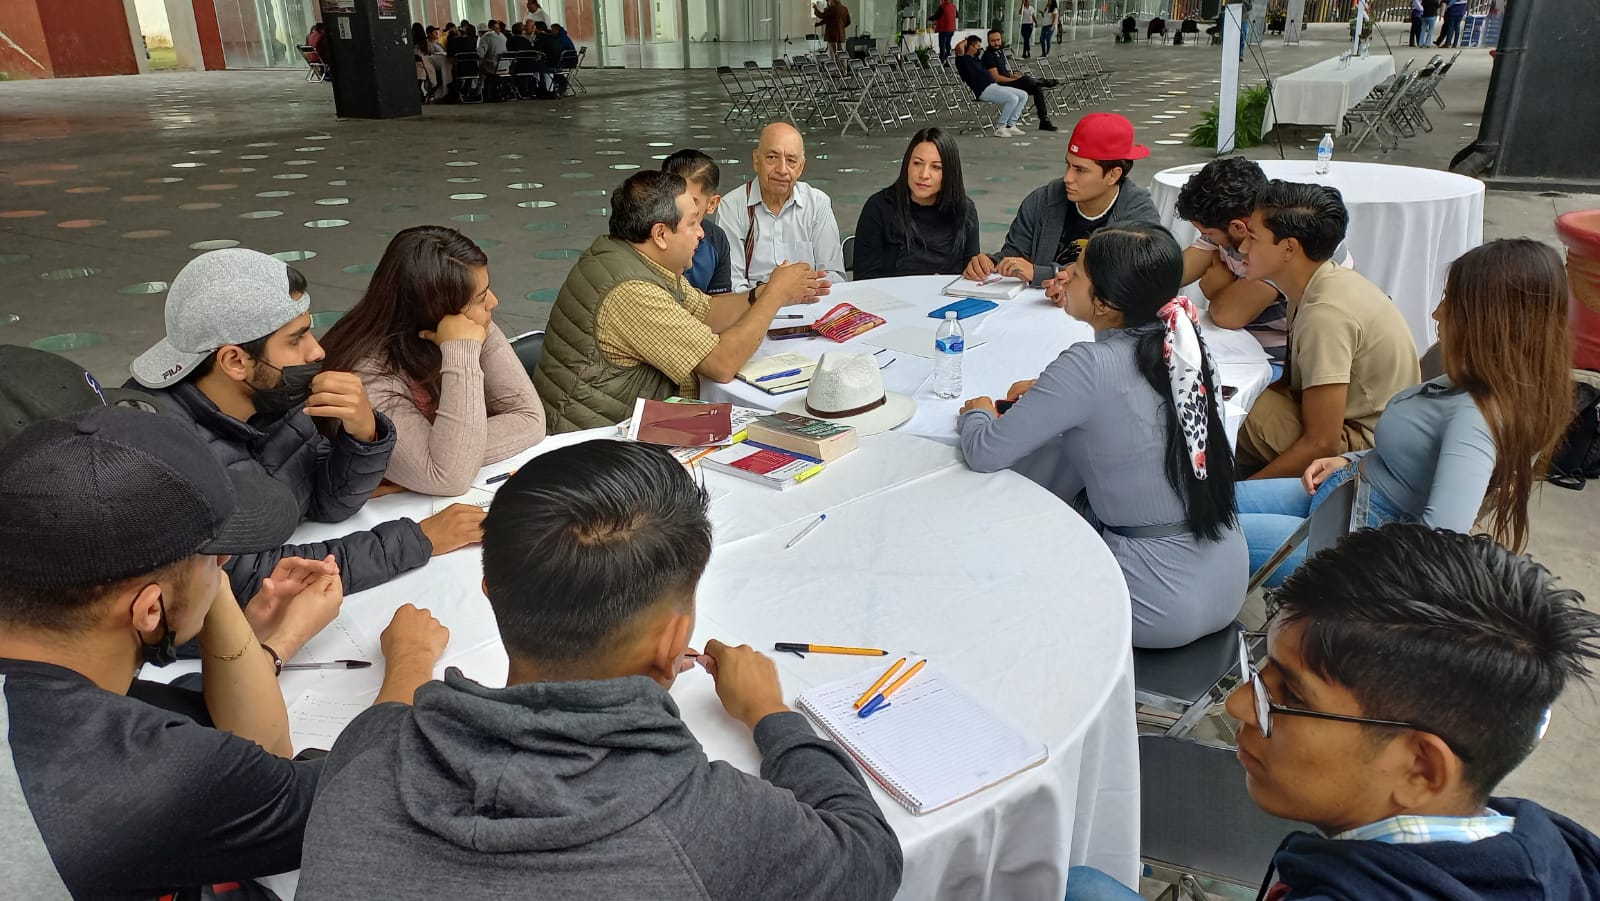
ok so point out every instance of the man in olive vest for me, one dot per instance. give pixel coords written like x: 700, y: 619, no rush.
x: 627, y: 324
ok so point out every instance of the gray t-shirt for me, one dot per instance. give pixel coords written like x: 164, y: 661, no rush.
x: 1433, y: 455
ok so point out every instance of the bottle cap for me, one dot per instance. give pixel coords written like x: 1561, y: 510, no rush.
x: 949, y: 314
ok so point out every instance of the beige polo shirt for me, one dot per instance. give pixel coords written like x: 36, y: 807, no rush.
x: 642, y: 323
x: 1346, y: 331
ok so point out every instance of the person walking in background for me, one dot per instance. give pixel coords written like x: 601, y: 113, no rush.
x: 944, y: 22
x: 1026, y: 16
x: 1430, y: 18
x: 924, y: 223
x: 1455, y: 13
x: 835, y: 18
x: 1416, y: 24
x: 1052, y: 21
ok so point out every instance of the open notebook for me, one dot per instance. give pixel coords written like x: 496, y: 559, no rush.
x: 932, y: 747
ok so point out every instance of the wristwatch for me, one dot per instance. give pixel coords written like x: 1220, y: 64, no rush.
x: 277, y: 662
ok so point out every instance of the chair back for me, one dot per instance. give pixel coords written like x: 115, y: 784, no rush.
x: 570, y: 59
x: 1197, y: 817
x: 1185, y: 674
x: 849, y: 253
x: 1331, y: 521
x: 529, y: 347
x: 1432, y: 363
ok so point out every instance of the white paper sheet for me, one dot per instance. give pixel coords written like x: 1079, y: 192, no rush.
x: 316, y: 718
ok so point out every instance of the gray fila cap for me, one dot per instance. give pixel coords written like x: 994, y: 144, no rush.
x: 222, y: 297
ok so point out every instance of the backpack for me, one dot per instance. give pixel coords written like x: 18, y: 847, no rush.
x: 1577, y: 455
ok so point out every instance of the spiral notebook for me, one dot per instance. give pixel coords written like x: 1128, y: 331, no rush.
x: 933, y: 746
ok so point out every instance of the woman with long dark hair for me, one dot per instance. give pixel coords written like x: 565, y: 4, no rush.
x: 433, y: 66
x: 1469, y: 444
x: 424, y: 342
x: 1128, y: 428
x: 924, y: 223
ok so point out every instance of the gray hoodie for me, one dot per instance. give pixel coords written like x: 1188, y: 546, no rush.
x: 1035, y: 234
x: 585, y: 790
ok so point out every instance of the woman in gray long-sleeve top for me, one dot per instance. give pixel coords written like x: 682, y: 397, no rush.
x: 1141, y: 440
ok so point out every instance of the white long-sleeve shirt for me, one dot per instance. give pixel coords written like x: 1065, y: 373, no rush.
x: 803, y: 230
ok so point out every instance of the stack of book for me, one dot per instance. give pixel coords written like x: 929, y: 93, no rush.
x: 689, y: 429
x: 782, y: 450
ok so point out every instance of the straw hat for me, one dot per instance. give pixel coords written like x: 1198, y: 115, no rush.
x: 847, y: 389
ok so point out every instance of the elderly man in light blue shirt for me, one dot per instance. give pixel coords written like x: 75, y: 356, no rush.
x: 777, y: 218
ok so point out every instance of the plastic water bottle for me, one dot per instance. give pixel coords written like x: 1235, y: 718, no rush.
x: 948, y: 346
x: 1325, y: 153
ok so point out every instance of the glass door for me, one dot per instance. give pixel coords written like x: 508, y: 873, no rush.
x: 263, y: 33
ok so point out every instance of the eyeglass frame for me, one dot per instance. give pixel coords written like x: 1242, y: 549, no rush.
x: 1265, y: 707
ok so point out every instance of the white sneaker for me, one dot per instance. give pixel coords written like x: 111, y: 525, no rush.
x: 1017, y: 132
x: 1006, y: 131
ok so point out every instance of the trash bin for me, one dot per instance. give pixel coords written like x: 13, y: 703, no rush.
x: 1580, y: 231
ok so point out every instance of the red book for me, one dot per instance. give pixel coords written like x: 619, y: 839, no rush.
x: 680, y: 425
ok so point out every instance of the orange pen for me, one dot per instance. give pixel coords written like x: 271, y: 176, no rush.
x: 867, y: 696
x: 905, y: 678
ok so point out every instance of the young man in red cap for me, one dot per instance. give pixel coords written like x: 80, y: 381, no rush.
x: 1056, y: 220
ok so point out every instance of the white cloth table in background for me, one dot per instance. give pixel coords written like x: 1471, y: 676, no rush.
x: 1323, y: 93
x: 1406, y: 225
x: 918, y: 554
x: 1004, y: 346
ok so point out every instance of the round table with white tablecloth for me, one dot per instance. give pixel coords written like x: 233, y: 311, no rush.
x: 1406, y: 225
x: 1009, y: 593
x: 1014, y: 342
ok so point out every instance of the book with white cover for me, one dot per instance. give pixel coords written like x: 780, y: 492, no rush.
x: 990, y: 288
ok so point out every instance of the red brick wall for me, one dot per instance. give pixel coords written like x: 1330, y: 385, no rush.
x: 88, y: 37
x: 19, y: 19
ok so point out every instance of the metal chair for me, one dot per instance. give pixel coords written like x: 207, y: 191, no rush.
x: 569, y: 64
x: 316, y: 69
x: 743, y: 100
x: 1192, y: 679
x: 850, y: 254
x: 468, y: 78
x: 529, y: 347
x: 1196, y: 818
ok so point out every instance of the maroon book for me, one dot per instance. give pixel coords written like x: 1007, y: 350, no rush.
x: 681, y: 425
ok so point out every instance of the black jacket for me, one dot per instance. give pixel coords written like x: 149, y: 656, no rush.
x: 885, y: 250
x: 331, y: 479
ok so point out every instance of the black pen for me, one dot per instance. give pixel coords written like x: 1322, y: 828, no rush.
x: 788, y: 316
x: 499, y: 478
x: 332, y: 664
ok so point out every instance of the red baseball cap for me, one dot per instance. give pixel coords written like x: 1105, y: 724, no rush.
x: 1105, y: 136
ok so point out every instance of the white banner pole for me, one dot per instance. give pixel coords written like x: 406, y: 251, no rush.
x: 1228, y: 93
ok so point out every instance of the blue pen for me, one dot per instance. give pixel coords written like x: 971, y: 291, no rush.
x: 780, y: 375
x: 877, y: 703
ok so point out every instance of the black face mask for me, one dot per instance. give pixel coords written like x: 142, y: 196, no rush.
x: 165, y: 650
x: 294, y: 389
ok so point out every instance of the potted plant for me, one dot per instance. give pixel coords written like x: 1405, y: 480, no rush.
x: 1366, y: 29
x: 1247, y: 120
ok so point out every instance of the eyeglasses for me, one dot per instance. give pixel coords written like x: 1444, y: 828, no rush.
x: 1265, y: 707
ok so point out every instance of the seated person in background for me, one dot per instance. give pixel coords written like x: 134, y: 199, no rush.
x: 110, y: 526
x: 1388, y: 701
x: 1129, y: 28
x: 627, y: 324
x: 1476, y: 437
x: 491, y: 44
x: 424, y: 341
x: 712, y: 270
x: 983, y: 86
x: 1054, y: 221
x: 239, y: 362
x: 1349, y: 348
x: 1133, y: 440
x: 563, y: 40
x: 317, y: 40
x: 778, y: 218
x: 924, y: 223
x: 518, y: 42
x: 578, y: 779
x: 994, y: 60
x: 1218, y: 201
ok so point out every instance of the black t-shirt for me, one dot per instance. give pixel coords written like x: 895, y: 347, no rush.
x: 973, y: 73
x: 996, y: 60
x: 131, y: 801
x: 1075, y: 233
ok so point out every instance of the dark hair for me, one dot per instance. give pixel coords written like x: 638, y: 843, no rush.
x: 1137, y: 270
x: 971, y: 39
x: 1107, y: 165
x: 424, y: 276
x: 419, y: 37
x: 1506, y: 342
x: 1223, y: 191
x: 584, y: 538
x: 318, y: 27
x: 516, y: 29
x: 255, y: 347
x: 1314, y: 215
x: 71, y: 609
x: 996, y: 31
x: 1452, y: 632
x: 645, y: 199
x: 692, y: 165
x: 952, y: 200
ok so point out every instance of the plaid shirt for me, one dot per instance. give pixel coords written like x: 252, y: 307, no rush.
x: 1415, y: 830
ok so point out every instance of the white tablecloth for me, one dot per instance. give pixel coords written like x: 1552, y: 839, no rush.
x: 1406, y: 225
x: 918, y: 554
x: 1006, y: 345
x: 1321, y: 94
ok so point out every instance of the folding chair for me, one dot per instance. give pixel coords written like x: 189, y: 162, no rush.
x: 1196, y: 819
x: 825, y: 98
x: 852, y: 92
x: 505, y: 71
x: 468, y: 77
x: 529, y: 347
x: 743, y: 101
x: 789, y: 90
x: 316, y: 69
x: 1372, y: 113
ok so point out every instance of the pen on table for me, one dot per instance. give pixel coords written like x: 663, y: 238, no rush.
x: 807, y: 530
x: 991, y: 278
x: 887, y: 675
x: 788, y: 646
x: 881, y: 699
x: 499, y: 478
x: 332, y: 664
x: 789, y: 316
x: 779, y: 375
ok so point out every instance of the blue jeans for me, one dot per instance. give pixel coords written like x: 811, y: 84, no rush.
x: 1010, y: 100
x: 1452, y: 29
x: 1428, y: 22
x: 944, y: 44
x: 1027, y: 41
x: 1046, y: 33
x: 1271, y: 509
x: 1089, y: 884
